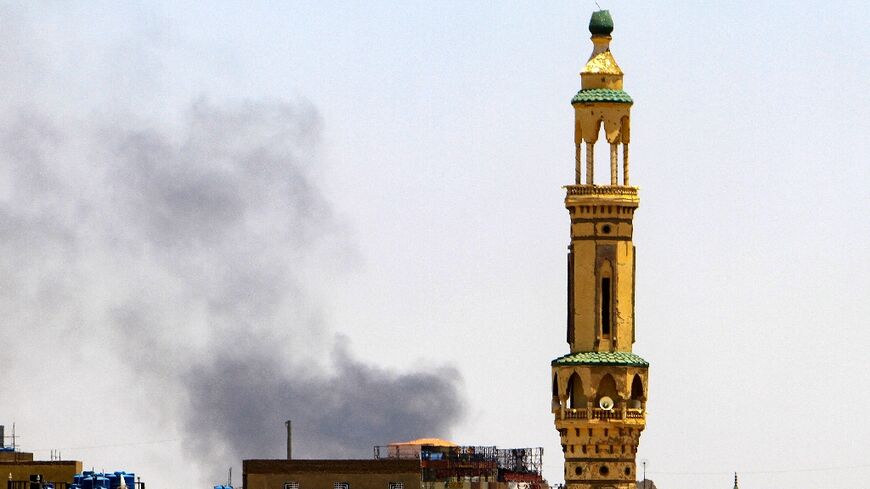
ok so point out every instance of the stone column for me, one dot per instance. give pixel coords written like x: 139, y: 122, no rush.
x: 578, y: 165
x: 625, y: 164
x: 614, y: 179
x: 590, y: 162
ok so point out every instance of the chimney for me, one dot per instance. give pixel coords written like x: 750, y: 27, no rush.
x: 289, y: 440
x: 2, y: 436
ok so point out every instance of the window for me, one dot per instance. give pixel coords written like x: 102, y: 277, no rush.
x: 291, y: 485
x: 341, y: 485
x: 605, y: 306
x: 571, y: 297
x: 397, y: 485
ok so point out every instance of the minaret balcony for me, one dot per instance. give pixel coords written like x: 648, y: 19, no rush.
x: 601, y: 195
x: 597, y: 201
x: 598, y: 414
x: 604, y: 190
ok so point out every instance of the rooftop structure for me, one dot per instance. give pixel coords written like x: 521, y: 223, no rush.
x: 418, y: 464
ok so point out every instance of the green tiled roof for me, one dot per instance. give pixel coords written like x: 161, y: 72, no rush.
x: 601, y: 95
x: 624, y: 358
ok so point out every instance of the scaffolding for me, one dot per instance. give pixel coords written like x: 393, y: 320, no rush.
x: 521, y: 460
x: 476, y: 463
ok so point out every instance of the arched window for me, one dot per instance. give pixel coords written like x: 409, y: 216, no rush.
x: 555, y: 386
x: 637, y: 395
x: 607, y: 387
x: 576, y: 398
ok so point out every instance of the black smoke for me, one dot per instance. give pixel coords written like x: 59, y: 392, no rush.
x: 195, y: 252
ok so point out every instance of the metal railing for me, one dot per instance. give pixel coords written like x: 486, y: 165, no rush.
x: 13, y: 484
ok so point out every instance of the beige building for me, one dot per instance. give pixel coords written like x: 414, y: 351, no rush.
x: 19, y: 469
x: 331, y: 474
x: 599, y: 388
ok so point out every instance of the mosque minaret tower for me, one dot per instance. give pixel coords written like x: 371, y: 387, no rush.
x: 600, y: 387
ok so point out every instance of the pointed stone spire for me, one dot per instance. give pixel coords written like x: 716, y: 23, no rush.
x: 735, y: 480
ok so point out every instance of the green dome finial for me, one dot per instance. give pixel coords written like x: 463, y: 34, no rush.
x: 601, y: 24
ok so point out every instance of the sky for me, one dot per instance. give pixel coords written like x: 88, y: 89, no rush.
x: 217, y: 217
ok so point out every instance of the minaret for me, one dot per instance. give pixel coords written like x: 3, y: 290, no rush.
x: 600, y: 387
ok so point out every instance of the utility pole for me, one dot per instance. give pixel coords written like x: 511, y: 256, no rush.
x: 289, y: 426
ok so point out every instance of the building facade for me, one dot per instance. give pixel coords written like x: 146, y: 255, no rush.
x: 331, y: 474
x: 599, y: 388
x: 21, y: 471
x: 411, y: 465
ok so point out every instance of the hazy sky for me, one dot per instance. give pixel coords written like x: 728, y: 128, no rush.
x: 357, y: 206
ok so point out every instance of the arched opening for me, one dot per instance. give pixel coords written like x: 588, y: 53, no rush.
x: 607, y: 387
x: 624, y: 136
x: 591, y: 126
x: 576, y: 398
x: 556, y: 404
x: 637, y: 396
x: 637, y: 388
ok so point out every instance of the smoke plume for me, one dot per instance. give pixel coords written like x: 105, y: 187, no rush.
x: 179, y: 258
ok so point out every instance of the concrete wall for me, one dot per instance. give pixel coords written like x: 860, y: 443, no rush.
x: 56, y: 471
x: 322, y: 474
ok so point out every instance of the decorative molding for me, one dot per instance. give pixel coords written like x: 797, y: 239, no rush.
x: 600, y: 190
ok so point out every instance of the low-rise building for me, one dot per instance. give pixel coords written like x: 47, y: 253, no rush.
x: 22, y: 471
x: 418, y: 464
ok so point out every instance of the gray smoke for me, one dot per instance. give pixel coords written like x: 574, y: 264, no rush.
x: 187, y: 251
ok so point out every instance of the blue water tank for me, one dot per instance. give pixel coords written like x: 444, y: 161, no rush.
x: 130, y: 479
